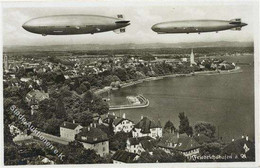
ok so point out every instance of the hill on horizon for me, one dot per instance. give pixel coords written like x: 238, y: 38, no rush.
x: 86, y: 47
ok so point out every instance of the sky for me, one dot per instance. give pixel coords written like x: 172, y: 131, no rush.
x: 142, y: 17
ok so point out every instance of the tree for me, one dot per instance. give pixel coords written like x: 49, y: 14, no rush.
x: 85, y: 86
x: 89, y: 156
x: 60, y: 110
x: 184, y: 126
x: 11, y: 156
x: 84, y: 118
x: 169, y: 127
x: 205, y: 128
x: 11, y: 92
x: 122, y: 74
x: 47, y: 108
x: 75, y: 153
x: 118, y: 141
x: 52, y: 126
x: 20, y: 73
x: 88, y: 97
x: 76, y: 84
x: 59, y: 78
x: 211, y: 149
x: 189, y: 131
x: 64, y: 92
x: 94, y: 103
x: 99, y: 106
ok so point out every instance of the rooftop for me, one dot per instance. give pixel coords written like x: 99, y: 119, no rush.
x: 146, y: 124
x: 187, y: 143
x: 116, y: 120
x: 239, y: 146
x: 38, y: 95
x: 91, y: 135
x: 124, y: 156
x: 135, y: 141
x: 69, y: 125
x: 169, y: 139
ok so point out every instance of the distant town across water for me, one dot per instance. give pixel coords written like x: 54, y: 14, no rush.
x: 213, y: 98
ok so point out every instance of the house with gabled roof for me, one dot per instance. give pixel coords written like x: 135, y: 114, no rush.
x: 146, y: 127
x: 122, y: 156
x: 169, y: 141
x: 94, y: 138
x: 183, y: 143
x: 139, y: 145
x: 36, y: 95
x: 242, y: 147
x: 188, y: 146
x: 69, y: 130
x: 119, y: 123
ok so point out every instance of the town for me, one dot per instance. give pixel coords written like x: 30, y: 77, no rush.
x: 61, y: 95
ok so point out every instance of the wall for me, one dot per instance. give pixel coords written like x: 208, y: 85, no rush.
x: 154, y: 133
x: 101, y: 148
x: 125, y: 126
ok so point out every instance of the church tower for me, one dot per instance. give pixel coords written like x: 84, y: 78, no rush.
x: 192, y: 58
x: 5, y: 63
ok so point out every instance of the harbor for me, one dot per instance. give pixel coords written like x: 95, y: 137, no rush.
x: 135, y: 102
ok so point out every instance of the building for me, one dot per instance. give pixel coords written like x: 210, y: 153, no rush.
x: 119, y: 124
x: 6, y: 66
x: 225, y: 66
x: 25, y: 79
x: 188, y: 146
x: 184, y: 59
x: 242, y: 148
x: 34, y: 97
x: 122, y: 156
x: 139, y: 145
x: 96, y: 118
x: 69, y: 130
x: 169, y: 141
x: 40, y: 160
x: 47, y: 161
x: 94, y: 138
x: 123, y: 124
x: 146, y: 127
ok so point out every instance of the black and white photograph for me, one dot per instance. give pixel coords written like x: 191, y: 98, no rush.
x: 97, y: 82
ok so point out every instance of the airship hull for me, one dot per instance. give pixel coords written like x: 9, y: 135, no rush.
x: 196, y: 26
x: 73, y: 24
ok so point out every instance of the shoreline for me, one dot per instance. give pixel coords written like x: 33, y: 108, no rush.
x: 198, y: 73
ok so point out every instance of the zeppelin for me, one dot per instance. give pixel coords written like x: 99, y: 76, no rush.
x: 197, y: 26
x: 75, y: 24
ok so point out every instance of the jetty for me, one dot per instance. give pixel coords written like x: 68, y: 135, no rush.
x: 144, y: 102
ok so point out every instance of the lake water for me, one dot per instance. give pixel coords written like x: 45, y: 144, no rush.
x: 225, y: 100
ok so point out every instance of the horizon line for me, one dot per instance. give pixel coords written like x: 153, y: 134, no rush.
x: 124, y: 43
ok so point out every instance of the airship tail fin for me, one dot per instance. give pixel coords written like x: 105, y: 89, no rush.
x: 121, y: 30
